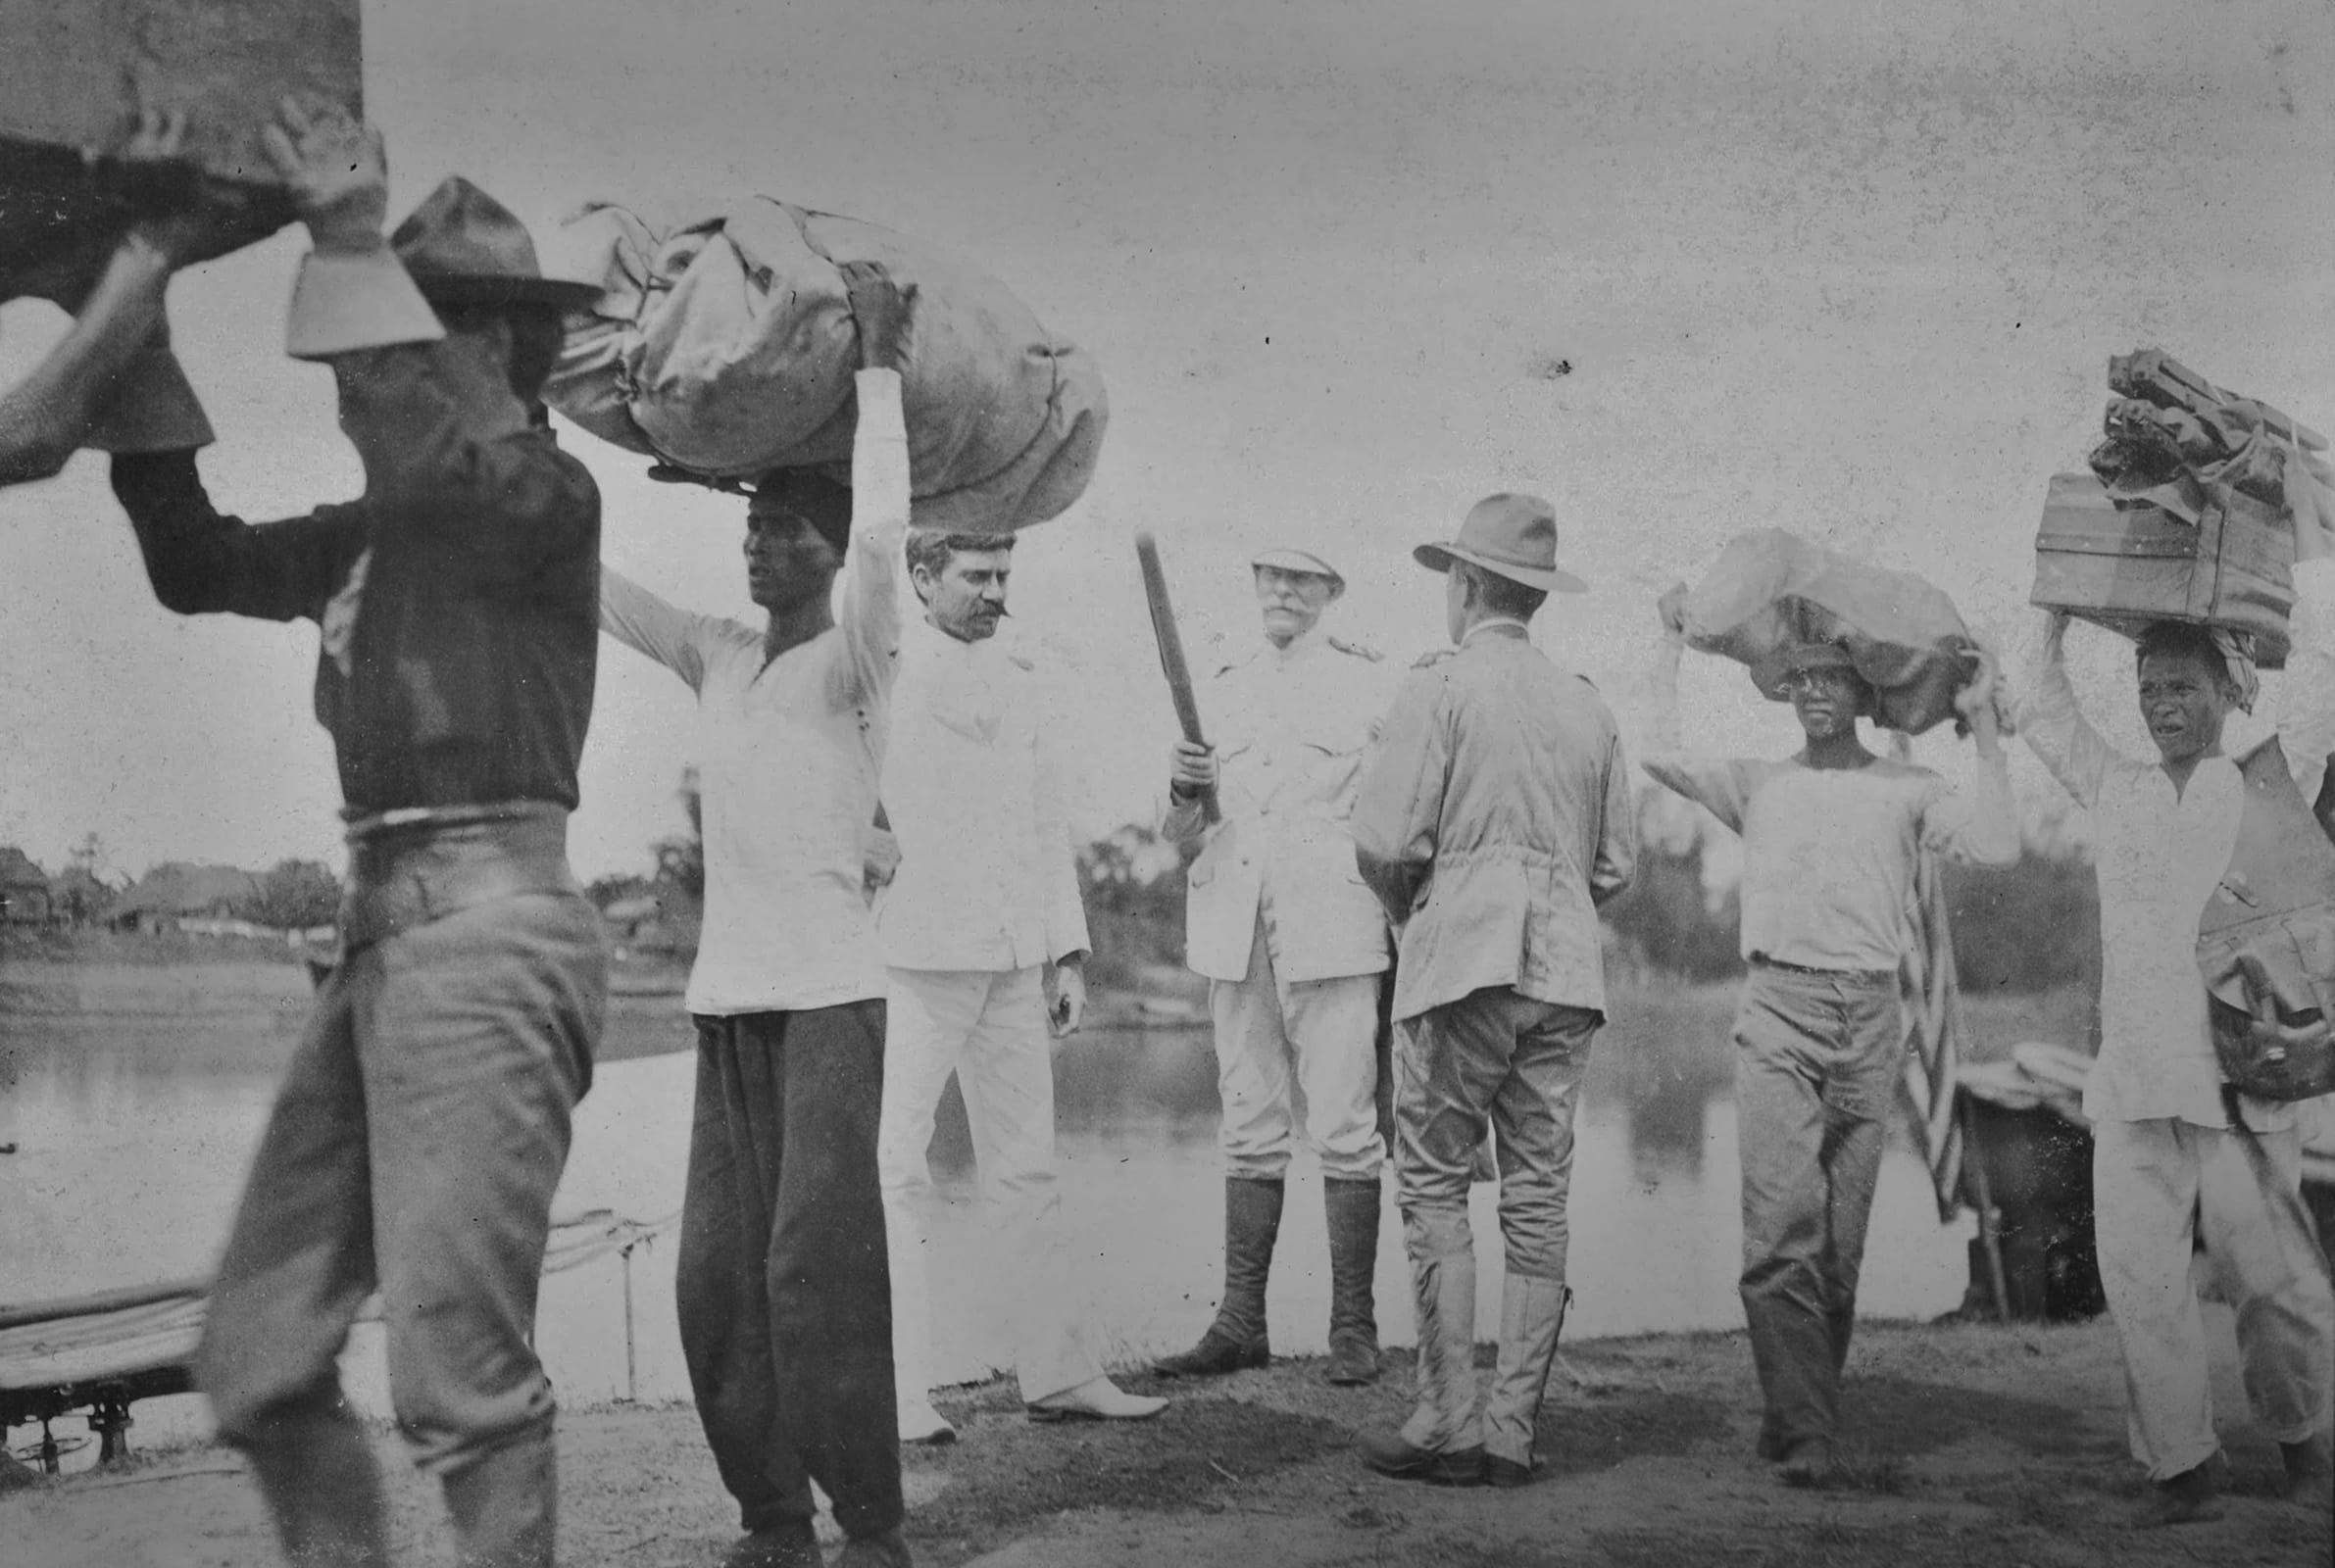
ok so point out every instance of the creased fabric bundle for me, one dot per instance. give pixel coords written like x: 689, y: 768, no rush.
x: 723, y: 345
x: 1770, y: 590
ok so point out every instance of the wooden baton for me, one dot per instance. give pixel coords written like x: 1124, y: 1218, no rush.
x: 1171, y: 657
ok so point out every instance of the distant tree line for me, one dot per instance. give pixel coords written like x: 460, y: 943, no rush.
x: 2021, y: 930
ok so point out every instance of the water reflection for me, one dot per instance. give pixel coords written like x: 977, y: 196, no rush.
x: 136, y: 1101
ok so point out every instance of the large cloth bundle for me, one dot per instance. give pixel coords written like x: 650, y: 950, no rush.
x: 724, y: 346
x: 72, y: 75
x: 1769, y: 590
x: 2188, y: 511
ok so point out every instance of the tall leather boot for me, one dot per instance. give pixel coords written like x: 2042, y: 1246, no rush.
x: 316, y: 1469
x: 1236, y: 1339
x: 1351, y: 1207
x: 1531, y: 1316
x: 506, y: 1504
x: 1442, y: 1442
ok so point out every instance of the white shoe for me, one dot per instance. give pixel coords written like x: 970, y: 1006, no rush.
x: 1096, y: 1399
x: 920, y: 1423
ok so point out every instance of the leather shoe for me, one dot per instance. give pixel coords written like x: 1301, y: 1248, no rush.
x: 1396, y: 1457
x: 1094, y: 1400
x: 1807, y: 1462
x: 2188, y: 1498
x: 1499, y: 1472
x: 1216, y: 1353
x: 793, y: 1545
x: 887, y: 1550
x: 2310, y: 1474
x: 1353, y: 1362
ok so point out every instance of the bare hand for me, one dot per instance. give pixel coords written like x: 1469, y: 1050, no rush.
x: 336, y: 171
x: 219, y: 219
x: 1068, y: 1009
x: 881, y: 858
x: 2287, y: 1039
x: 1191, y: 770
x: 1672, y: 607
x: 883, y: 310
x: 1978, y: 698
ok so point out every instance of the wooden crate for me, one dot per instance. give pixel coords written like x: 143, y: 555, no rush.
x: 71, y: 79
x: 2123, y: 566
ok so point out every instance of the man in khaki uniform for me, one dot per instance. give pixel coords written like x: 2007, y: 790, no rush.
x: 1293, y: 944
x: 1492, y: 819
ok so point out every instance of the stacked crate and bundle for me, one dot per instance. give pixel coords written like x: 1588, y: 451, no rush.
x: 2187, y: 512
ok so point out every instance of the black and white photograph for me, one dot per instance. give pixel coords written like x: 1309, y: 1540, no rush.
x: 1267, y: 783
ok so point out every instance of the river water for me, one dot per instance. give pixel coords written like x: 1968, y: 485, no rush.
x: 135, y: 1094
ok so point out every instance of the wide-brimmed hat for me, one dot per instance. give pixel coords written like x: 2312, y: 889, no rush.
x: 1513, y: 536
x: 463, y: 247
x: 1285, y: 558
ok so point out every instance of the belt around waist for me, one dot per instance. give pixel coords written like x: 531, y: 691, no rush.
x: 1873, y: 977
x: 408, y: 869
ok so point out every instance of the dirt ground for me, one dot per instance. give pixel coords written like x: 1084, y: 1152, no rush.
x: 1967, y: 1446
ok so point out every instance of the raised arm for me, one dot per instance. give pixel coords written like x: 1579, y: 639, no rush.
x: 2053, y: 727
x: 201, y: 562
x: 1717, y: 782
x: 648, y: 624
x: 1982, y: 824
x: 1616, y: 858
x: 2306, y: 691
x: 870, y: 612
x: 111, y: 381
x: 461, y: 466
x: 1398, y: 806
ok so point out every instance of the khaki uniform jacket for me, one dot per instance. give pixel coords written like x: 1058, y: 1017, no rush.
x: 1291, y: 727
x: 1494, y: 816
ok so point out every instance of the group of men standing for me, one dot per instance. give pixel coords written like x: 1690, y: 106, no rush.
x: 891, y: 897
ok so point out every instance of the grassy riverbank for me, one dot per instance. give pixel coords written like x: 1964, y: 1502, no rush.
x: 1970, y: 1446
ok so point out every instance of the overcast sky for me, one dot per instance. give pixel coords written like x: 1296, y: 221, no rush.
x: 1849, y: 269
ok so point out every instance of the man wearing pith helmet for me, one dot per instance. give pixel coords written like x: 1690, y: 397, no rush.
x: 1292, y: 945
x: 1493, y: 818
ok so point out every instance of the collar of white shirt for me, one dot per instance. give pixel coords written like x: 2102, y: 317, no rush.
x: 1490, y: 622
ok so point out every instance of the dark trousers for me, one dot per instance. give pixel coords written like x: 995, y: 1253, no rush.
x: 785, y: 1297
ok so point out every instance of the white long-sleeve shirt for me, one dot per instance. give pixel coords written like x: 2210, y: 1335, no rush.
x: 2160, y: 854
x: 971, y: 786
x: 788, y: 753
x: 1830, y: 854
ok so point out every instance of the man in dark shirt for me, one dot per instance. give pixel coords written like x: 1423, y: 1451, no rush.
x: 423, y: 1125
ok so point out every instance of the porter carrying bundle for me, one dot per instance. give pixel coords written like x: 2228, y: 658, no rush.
x: 724, y: 346
x: 1770, y: 591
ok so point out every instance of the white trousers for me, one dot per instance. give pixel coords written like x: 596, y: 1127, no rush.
x: 1328, y: 1029
x: 989, y: 1027
x: 2158, y: 1184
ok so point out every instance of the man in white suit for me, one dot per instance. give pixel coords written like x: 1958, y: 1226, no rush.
x: 1293, y: 944
x: 985, y: 897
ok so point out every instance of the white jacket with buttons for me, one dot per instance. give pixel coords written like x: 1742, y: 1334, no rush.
x: 1289, y: 726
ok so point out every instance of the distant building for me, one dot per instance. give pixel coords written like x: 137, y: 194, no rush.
x: 79, y: 896
x: 23, y: 889
x: 174, y: 893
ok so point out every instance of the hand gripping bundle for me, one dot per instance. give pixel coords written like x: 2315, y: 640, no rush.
x: 724, y: 346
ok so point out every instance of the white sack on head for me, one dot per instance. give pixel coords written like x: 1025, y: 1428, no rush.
x: 723, y: 345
